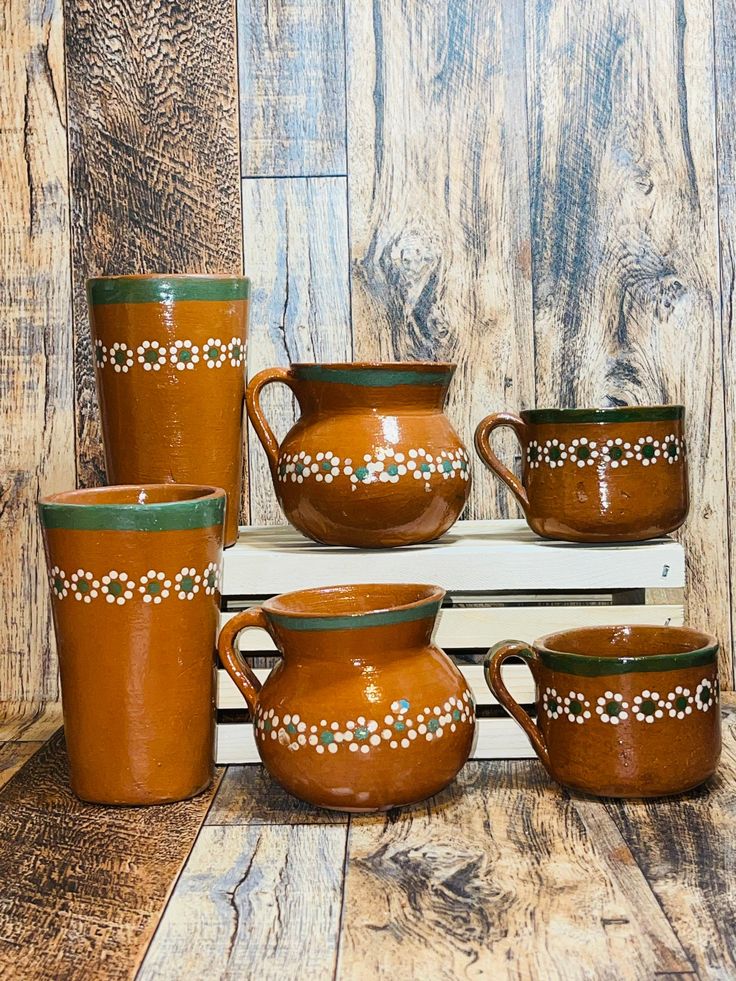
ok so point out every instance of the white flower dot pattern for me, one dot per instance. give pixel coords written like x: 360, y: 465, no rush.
x: 84, y: 586
x: 154, y: 587
x: 117, y: 587
x: 151, y: 355
x: 186, y: 583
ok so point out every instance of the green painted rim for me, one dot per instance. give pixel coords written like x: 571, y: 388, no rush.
x: 378, y: 376
x: 596, y: 667
x: 203, y: 512
x: 626, y: 413
x: 357, y: 621
x: 165, y: 289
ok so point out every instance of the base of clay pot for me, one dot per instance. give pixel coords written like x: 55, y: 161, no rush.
x: 638, y: 795
x: 154, y: 802
x: 605, y: 537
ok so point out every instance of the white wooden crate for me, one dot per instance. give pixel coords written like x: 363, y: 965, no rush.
x: 502, y: 582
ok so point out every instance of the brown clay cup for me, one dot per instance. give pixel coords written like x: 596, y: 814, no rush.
x: 363, y: 712
x: 596, y: 475
x: 373, y: 461
x: 135, y: 576
x: 623, y: 711
x: 169, y: 356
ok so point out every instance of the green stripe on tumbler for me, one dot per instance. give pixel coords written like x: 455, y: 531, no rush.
x: 166, y: 289
x: 169, y: 516
x: 372, y: 377
x: 597, y: 667
x: 385, y: 618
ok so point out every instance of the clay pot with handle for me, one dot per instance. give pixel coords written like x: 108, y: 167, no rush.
x: 363, y: 712
x: 596, y: 475
x: 373, y: 461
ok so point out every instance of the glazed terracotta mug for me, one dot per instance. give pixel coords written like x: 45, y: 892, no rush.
x: 373, y: 461
x: 363, y: 712
x: 596, y: 475
x: 135, y: 574
x: 169, y: 357
x: 622, y: 711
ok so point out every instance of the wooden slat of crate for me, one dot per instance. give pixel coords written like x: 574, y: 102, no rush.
x: 495, y: 739
x: 473, y: 556
x: 480, y: 627
x: 518, y: 680
x: 552, y: 583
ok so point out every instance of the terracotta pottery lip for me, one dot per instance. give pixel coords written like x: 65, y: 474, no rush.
x: 376, y: 374
x: 596, y: 665
x: 166, y: 288
x: 420, y: 608
x: 617, y: 413
x: 86, y: 509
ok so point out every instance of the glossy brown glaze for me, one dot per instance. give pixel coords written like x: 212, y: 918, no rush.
x: 373, y: 461
x: 596, y: 475
x: 134, y: 574
x: 623, y: 711
x: 363, y: 712
x: 170, y: 365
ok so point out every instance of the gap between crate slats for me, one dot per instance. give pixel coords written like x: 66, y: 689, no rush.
x: 495, y: 739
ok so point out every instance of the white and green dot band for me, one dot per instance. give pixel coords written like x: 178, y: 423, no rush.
x: 388, y: 466
x: 611, y: 708
x: 182, y: 355
x: 399, y: 729
x: 581, y: 452
x: 119, y: 587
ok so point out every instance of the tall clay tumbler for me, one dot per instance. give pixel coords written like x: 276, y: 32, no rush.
x: 169, y: 357
x: 135, y: 576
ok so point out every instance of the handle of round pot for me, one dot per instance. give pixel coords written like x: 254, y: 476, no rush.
x: 256, y: 415
x: 233, y: 661
x: 483, y: 446
x: 492, y: 667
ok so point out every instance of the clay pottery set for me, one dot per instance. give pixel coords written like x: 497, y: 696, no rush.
x: 134, y: 574
x: 169, y: 357
x: 363, y: 712
x: 596, y: 475
x: 624, y: 711
x: 373, y: 461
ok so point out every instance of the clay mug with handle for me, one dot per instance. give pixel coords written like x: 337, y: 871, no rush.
x: 622, y: 711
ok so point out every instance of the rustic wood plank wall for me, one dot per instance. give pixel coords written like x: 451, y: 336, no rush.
x: 36, y: 380
x: 540, y: 190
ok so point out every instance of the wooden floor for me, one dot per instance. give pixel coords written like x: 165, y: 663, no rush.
x: 503, y: 875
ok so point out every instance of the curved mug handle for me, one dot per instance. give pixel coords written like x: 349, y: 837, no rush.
x: 483, y: 447
x: 233, y: 661
x: 257, y: 416
x: 492, y: 668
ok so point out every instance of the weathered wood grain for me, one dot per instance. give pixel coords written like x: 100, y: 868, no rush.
x: 296, y: 251
x: 686, y: 848
x: 82, y: 887
x: 624, y: 237
x: 254, y: 902
x: 292, y: 88
x: 29, y: 721
x: 248, y: 795
x: 497, y: 877
x: 153, y: 135
x: 13, y: 756
x: 36, y: 383
x: 439, y: 202
x: 725, y: 87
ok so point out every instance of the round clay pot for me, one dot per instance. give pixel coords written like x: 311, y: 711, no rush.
x: 135, y: 575
x: 596, y: 475
x: 364, y: 712
x: 623, y: 711
x: 373, y: 461
x: 169, y: 356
